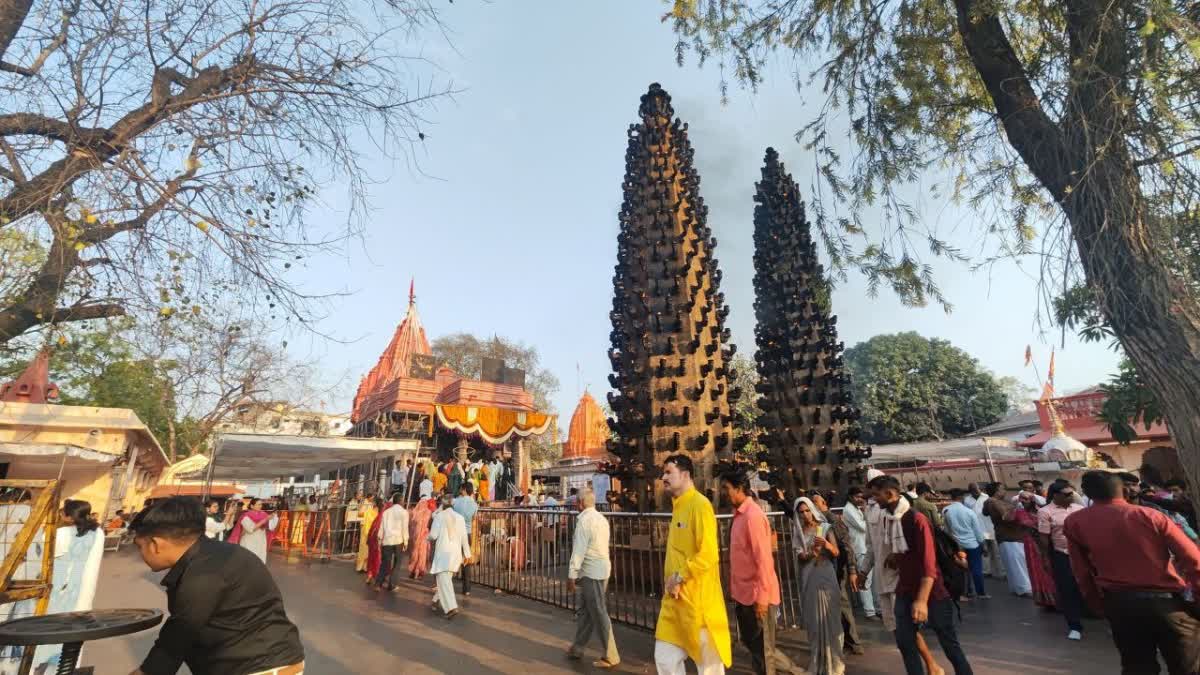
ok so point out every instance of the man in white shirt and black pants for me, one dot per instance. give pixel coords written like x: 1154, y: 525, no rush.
x: 393, y: 538
x: 587, y: 576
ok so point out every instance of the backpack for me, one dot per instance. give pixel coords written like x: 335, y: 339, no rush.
x: 954, y: 575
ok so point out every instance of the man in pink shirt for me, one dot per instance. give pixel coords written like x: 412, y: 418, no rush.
x: 752, y: 580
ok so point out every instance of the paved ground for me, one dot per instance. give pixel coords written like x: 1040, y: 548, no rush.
x: 349, y: 629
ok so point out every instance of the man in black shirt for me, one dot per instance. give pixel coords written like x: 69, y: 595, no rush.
x: 227, y: 615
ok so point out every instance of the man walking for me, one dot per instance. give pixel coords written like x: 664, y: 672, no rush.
x: 465, y: 506
x: 975, y: 500
x: 855, y: 519
x: 692, y: 622
x: 1051, y: 520
x: 587, y: 578
x: 218, y: 594
x: 1010, y: 537
x: 393, y: 538
x: 752, y: 581
x: 921, y: 597
x: 1133, y: 565
x: 964, y: 526
x: 451, y: 549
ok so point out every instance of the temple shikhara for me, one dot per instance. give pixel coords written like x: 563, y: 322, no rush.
x: 585, y: 452
x: 408, y: 395
x: 810, y: 423
x: 670, y: 346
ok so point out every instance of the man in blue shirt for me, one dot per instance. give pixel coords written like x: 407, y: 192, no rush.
x: 963, y: 525
x: 464, y: 504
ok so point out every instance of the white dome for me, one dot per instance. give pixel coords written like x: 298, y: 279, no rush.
x: 1062, y: 448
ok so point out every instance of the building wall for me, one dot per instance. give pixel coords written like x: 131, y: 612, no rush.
x: 83, y: 479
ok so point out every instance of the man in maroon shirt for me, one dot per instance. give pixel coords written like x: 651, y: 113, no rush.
x: 921, y: 597
x: 1122, y: 557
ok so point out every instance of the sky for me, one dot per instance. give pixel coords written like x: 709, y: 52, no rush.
x: 509, y: 226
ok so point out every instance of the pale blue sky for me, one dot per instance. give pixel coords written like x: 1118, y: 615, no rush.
x: 516, y: 234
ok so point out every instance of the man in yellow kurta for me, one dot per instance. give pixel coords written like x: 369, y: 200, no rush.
x: 692, y: 622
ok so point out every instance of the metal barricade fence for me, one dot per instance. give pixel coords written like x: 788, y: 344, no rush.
x: 526, y: 552
x: 322, y: 533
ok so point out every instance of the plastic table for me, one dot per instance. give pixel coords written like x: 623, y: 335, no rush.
x: 72, y: 629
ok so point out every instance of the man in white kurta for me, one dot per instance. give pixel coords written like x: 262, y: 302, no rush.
x: 451, y: 548
x: 494, y: 470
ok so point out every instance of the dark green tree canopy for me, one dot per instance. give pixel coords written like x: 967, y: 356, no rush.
x: 914, y: 388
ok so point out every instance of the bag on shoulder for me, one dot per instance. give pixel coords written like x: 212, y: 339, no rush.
x: 954, y: 575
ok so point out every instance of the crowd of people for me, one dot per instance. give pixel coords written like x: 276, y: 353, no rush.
x: 1124, y: 550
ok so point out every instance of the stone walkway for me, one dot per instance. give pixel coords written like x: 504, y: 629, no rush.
x: 347, y: 628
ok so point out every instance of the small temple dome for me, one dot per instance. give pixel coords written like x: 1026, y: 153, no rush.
x: 588, y: 435
x: 1062, y: 448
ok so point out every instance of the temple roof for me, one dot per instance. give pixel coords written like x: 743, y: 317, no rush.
x: 396, y: 360
x: 394, y: 386
x: 589, y: 432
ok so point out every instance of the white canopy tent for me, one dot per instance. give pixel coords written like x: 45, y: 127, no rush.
x: 250, y: 457
x: 975, y: 448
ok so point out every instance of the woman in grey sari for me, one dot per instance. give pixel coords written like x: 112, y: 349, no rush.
x: 820, y: 595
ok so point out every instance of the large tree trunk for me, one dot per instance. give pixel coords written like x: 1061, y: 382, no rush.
x: 12, y: 17
x: 1151, y: 310
x: 1085, y: 163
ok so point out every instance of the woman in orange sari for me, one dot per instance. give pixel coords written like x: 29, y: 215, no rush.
x: 418, y: 540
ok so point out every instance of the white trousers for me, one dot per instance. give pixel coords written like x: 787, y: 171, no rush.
x: 671, y: 659
x: 445, y: 591
x: 867, y: 595
x: 1013, y: 555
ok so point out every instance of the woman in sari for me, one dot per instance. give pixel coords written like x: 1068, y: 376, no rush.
x: 253, y: 530
x: 418, y: 540
x: 78, y: 547
x: 374, y: 548
x: 367, y: 514
x: 1045, y: 593
x: 816, y: 551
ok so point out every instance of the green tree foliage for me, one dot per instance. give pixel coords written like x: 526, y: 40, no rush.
x: 182, y: 378
x: 913, y: 388
x: 464, y: 353
x: 98, y: 368
x: 1068, y: 129
x: 746, y: 411
x: 1130, y: 402
x: 1018, y: 394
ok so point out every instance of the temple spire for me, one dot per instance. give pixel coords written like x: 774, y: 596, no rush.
x: 412, y: 295
x: 33, y: 385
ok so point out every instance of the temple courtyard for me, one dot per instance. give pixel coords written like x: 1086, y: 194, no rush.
x: 348, y: 628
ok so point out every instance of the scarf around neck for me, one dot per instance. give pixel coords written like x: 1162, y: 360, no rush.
x: 893, y: 532
x: 257, y: 516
